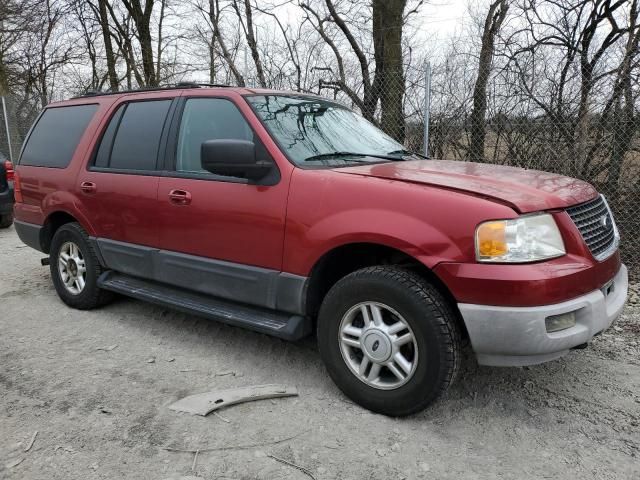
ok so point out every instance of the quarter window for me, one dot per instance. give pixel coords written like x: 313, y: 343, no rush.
x: 55, y: 137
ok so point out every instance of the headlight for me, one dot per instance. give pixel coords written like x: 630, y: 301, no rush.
x: 525, y: 239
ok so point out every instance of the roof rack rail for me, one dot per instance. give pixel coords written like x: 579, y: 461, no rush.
x: 200, y: 85
x: 176, y: 86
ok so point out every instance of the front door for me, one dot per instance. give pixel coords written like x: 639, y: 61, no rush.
x: 219, y: 235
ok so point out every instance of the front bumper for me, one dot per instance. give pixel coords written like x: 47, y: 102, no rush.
x: 515, y: 336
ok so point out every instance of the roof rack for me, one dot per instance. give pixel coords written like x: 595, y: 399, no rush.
x: 179, y: 85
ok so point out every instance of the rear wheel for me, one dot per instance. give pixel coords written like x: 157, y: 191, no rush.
x: 75, y: 268
x: 389, y: 340
x: 6, y: 220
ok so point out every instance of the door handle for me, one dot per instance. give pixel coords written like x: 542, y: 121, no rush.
x: 88, y: 187
x: 180, y: 197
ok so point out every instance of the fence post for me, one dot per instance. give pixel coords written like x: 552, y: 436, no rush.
x: 6, y: 126
x: 427, y: 106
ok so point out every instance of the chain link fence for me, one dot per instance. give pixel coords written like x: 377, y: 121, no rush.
x: 16, y: 117
x: 600, y: 145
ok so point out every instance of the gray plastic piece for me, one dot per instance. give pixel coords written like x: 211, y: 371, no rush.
x: 270, y: 322
x: 205, y: 403
x: 516, y: 336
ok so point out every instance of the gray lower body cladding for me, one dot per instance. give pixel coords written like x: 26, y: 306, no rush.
x: 29, y: 234
x: 277, y: 324
x: 260, y: 287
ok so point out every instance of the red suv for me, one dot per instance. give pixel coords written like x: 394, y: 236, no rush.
x: 284, y: 213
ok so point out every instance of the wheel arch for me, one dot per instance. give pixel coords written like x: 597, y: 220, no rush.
x: 347, y: 258
x: 52, y: 223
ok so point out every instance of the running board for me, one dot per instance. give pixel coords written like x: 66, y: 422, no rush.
x: 278, y: 324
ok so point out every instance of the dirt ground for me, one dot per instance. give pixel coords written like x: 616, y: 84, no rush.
x: 102, y: 413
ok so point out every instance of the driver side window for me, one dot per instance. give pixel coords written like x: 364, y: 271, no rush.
x: 207, y: 119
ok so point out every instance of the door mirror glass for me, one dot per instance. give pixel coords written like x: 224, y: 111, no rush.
x: 232, y: 158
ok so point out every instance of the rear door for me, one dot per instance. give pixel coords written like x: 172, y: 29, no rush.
x: 120, y: 185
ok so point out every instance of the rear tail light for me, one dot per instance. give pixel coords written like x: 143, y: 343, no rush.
x: 17, y: 188
x: 8, y: 166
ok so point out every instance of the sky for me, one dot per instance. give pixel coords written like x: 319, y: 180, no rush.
x: 441, y: 18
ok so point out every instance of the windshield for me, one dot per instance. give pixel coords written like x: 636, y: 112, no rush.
x: 312, y: 131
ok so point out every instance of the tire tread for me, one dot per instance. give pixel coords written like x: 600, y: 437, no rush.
x: 93, y: 296
x: 435, y: 305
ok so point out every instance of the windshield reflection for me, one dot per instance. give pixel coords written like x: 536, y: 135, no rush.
x: 307, y: 127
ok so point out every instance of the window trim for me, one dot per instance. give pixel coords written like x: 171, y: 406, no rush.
x: 37, y: 120
x: 170, y: 162
x: 158, y: 170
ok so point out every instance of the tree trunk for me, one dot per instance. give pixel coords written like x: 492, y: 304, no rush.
x: 212, y: 59
x: 108, y: 46
x: 624, y: 124
x: 253, y: 46
x: 142, y: 20
x: 493, y: 22
x: 214, y: 18
x: 389, y: 74
x: 163, y: 4
x: 371, y: 89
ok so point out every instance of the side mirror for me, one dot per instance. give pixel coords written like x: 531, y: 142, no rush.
x: 233, y: 158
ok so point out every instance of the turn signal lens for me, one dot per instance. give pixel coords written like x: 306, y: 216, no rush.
x: 530, y: 238
x: 491, y: 239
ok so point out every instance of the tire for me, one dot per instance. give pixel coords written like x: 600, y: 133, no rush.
x: 89, y: 296
x: 433, y: 347
x: 6, y: 220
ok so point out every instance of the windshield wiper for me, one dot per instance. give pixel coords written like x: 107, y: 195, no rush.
x: 322, y: 156
x: 406, y: 153
x: 350, y: 154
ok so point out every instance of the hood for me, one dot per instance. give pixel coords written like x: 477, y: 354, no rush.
x: 523, y: 190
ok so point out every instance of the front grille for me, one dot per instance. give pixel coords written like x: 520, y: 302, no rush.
x: 595, y: 223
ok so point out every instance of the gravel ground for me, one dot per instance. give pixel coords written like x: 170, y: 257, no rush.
x: 102, y: 414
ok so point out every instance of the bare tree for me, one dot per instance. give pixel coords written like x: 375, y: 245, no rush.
x: 386, y: 84
x: 45, y: 51
x: 245, y: 18
x: 213, y: 14
x: 493, y: 22
x: 388, y: 22
x: 624, y: 114
x: 141, y: 16
x: 101, y: 14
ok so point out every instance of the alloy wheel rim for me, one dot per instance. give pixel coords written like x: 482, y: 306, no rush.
x: 72, y: 268
x: 378, y: 345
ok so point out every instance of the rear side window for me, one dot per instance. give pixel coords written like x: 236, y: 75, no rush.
x: 56, y: 135
x: 132, y: 139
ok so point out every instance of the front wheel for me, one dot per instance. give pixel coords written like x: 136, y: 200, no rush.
x: 389, y: 340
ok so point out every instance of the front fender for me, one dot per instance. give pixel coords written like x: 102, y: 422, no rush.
x: 392, y: 229
x: 328, y: 209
